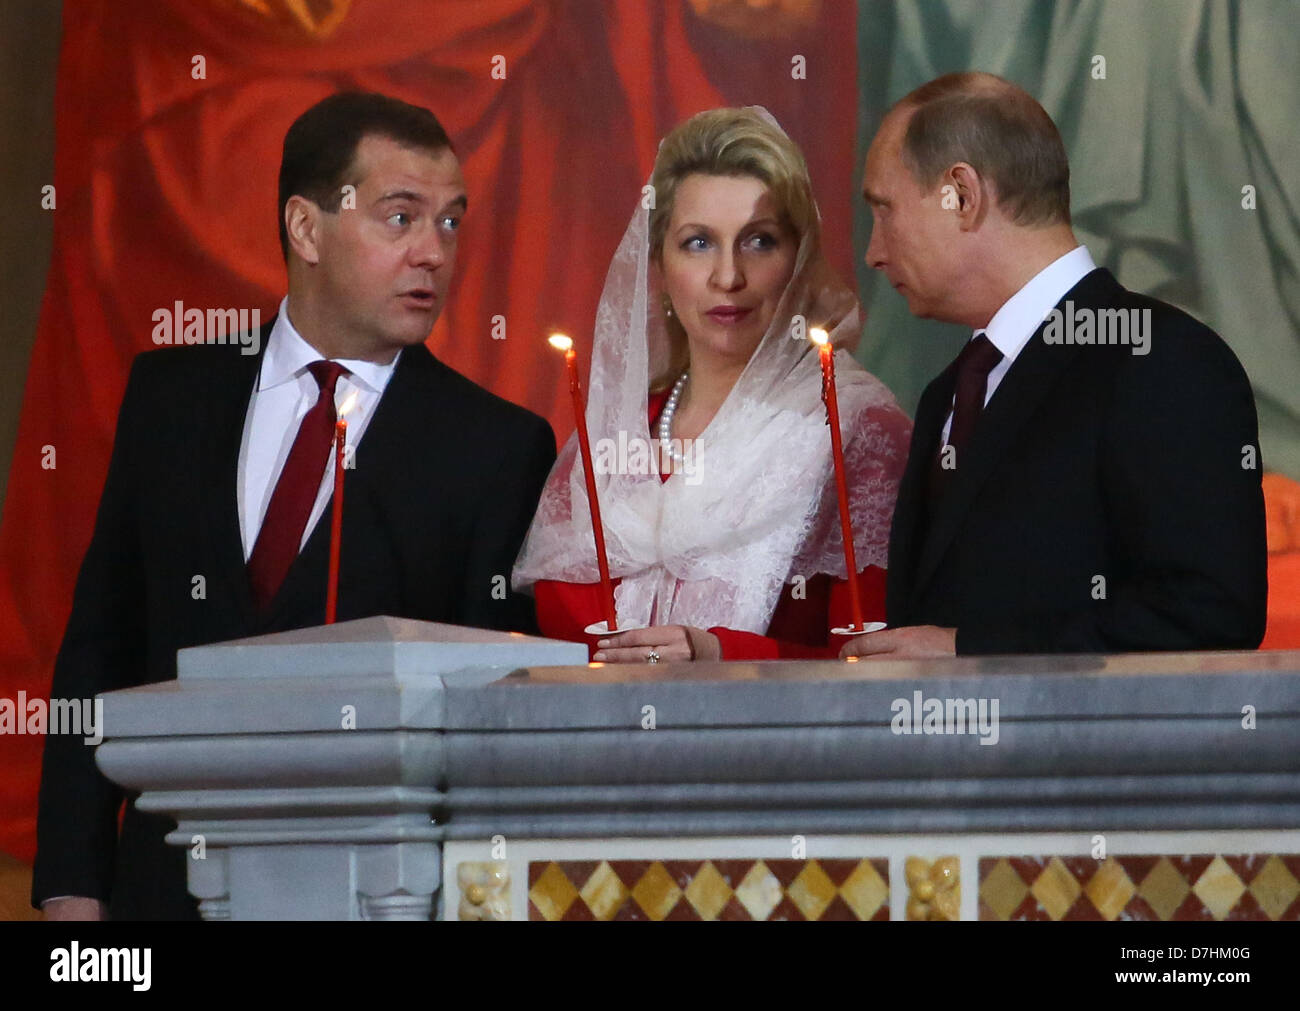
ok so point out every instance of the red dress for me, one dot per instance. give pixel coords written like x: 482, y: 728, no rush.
x: 799, y: 628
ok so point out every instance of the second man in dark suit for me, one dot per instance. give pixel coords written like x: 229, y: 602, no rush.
x: 1085, y: 477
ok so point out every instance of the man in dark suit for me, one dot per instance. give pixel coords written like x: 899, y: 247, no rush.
x: 214, y: 522
x: 1085, y: 477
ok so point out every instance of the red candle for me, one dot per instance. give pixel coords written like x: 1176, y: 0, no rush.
x: 827, y: 353
x: 563, y: 343
x: 336, y: 520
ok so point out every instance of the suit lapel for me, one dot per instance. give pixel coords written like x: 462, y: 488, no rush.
x: 909, y: 513
x: 402, y: 410
x: 1018, y: 396
x: 217, y: 471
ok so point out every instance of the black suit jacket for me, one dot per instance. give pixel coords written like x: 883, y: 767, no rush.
x: 1090, y: 461
x: 446, y: 480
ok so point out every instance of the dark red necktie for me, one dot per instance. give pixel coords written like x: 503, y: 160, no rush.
x: 295, y: 492
x: 977, y: 359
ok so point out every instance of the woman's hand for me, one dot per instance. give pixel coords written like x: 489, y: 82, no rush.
x: 672, y: 644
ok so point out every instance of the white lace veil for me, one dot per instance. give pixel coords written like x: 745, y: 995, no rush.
x: 716, y: 547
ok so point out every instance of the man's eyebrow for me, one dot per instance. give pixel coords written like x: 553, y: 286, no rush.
x: 459, y: 202
x: 873, y: 198
x: 410, y: 195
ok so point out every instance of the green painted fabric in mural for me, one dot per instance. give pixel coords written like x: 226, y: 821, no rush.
x: 1194, y: 121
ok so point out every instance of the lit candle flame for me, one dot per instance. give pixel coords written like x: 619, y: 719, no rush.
x: 561, y: 342
x: 348, y: 404
x: 818, y: 336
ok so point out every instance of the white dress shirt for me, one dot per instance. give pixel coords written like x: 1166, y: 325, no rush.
x: 286, y: 391
x: 1011, y: 326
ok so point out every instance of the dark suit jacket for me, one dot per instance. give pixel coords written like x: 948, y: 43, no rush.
x: 446, y: 480
x: 1090, y: 461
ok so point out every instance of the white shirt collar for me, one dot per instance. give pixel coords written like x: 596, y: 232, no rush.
x: 1011, y: 326
x: 288, y: 354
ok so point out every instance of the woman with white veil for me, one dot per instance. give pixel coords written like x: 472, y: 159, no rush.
x: 711, y: 453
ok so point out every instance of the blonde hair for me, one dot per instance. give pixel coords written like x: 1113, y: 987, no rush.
x: 728, y: 142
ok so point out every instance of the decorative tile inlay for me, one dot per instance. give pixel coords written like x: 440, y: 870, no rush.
x: 934, y: 888
x: 708, y: 892
x: 484, y: 890
x: 1001, y: 890
x: 776, y: 889
x: 866, y: 890
x: 812, y: 891
x: 1109, y: 889
x: 1258, y: 886
x: 551, y: 893
x: 1055, y: 889
x: 759, y: 892
x: 1275, y: 888
x: 1219, y: 888
x: 604, y: 893
x: 1164, y: 889
x: 656, y: 893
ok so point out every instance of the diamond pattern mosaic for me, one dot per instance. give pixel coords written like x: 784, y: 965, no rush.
x: 1253, y: 886
x: 708, y: 890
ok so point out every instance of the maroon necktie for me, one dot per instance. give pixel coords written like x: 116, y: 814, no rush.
x: 976, y: 361
x: 295, y: 492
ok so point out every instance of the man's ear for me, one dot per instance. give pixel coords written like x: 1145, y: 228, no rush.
x: 966, y: 194
x: 302, y: 220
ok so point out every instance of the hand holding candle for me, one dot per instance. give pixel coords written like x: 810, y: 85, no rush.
x: 336, y: 521
x: 820, y: 338
x: 561, y: 342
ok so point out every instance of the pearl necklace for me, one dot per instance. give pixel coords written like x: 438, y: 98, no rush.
x: 666, y: 421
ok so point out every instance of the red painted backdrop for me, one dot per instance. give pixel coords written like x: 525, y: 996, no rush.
x: 166, y: 190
